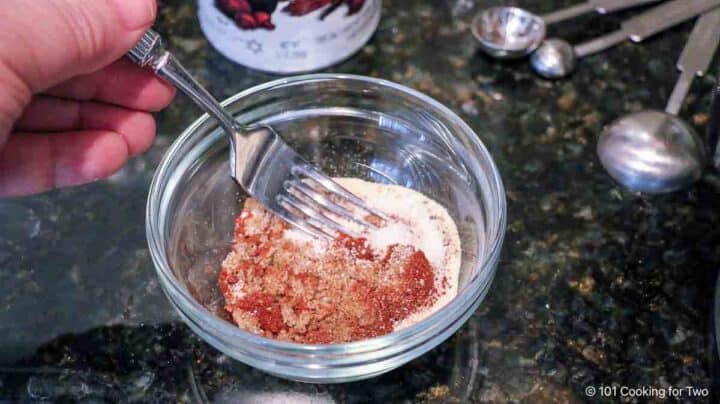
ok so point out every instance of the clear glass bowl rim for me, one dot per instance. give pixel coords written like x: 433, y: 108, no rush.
x: 459, y: 304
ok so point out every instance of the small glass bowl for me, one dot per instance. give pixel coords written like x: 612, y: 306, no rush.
x: 350, y: 126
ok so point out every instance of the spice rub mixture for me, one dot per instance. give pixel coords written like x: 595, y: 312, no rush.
x: 281, y: 283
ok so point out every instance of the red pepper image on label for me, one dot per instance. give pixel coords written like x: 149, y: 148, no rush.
x: 257, y: 14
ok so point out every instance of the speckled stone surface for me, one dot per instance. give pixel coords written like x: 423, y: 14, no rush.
x: 597, y: 286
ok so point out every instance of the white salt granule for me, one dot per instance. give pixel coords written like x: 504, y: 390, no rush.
x: 418, y: 221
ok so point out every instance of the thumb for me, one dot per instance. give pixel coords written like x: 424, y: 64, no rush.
x: 46, y: 42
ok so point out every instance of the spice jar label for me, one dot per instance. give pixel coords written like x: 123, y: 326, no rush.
x: 288, y: 36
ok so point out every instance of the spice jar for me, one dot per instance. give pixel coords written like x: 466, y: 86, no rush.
x: 288, y: 36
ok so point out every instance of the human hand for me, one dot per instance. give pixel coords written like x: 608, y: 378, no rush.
x: 72, y: 110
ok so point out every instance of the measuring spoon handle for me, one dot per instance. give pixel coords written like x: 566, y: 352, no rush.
x: 601, y: 6
x: 608, y: 6
x: 649, y: 23
x: 696, y: 57
x: 665, y: 16
x: 568, y: 13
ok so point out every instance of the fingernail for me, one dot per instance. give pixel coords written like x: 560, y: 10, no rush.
x: 135, y: 14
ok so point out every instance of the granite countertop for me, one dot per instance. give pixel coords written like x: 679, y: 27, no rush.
x: 597, y: 286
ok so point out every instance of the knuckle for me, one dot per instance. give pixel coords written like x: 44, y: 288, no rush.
x: 89, y: 38
x: 84, y: 30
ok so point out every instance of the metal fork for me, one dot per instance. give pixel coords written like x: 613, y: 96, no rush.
x: 262, y: 163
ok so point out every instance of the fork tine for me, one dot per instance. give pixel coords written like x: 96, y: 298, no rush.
x: 334, y: 188
x: 319, y: 214
x: 302, y: 188
x: 317, y: 217
x: 311, y: 229
x: 303, y: 224
x: 315, y: 224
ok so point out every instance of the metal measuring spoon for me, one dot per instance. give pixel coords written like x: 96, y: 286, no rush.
x: 511, y: 32
x: 556, y: 58
x: 654, y: 151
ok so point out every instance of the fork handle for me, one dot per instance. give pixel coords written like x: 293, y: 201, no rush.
x: 150, y: 53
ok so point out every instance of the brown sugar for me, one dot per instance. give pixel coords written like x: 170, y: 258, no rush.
x: 279, y: 288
